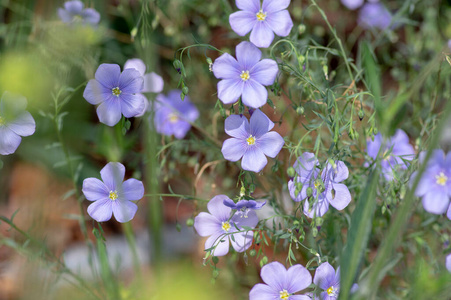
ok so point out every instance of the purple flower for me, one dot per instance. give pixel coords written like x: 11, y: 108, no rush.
x: 174, y: 115
x: 320, y: 185
x: 449, y: 45
x: 244, y: 206
x: 264, y: 20
x: 112, y: 196
x: 374, y: 15
x: 435, y: 184
x: 73, y: 12
x: 251, y: 141
x: 117, y: 93
x: 329, y: 281
x: 352, y: 4
x: 395, y: 155
x: 14, y: 122
x: 220, y: 226
x: 448, y: 262
x: 245, y: 76
x: 281, y: 283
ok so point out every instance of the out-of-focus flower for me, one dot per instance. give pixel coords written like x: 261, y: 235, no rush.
x: 435, y: 184
x: 264, y: 20
x: 448, y: 262
x: 317, y: 189
x: 396, y: 154
x: 449, y: 45
x: 220, y: 227
x: 117, y: 93
x: 245, y: 76
x: 281, y: 283
x: 15, y: 122
x: 73, y: 12
x: 174, y: 115
x: 251, y: 141
x: 112, y: 195
x: 352, y: 4
x: 374, y: 15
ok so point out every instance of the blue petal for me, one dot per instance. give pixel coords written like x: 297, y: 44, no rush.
x: 90, y: 16
x: 153, y: 83
x: 262, y: 35
x: 95, y: 93
x: 271, y: 143
x: 124, y: 211
x: 260, y: 124
x: 74, y: 7
x: 265, y: 72
x: 229, y: 90
x: 249, y: 5
x: 137, y: 64
x: 132, y: 189
x: 237, y: 126
x: 233, y: 149
x: 280, y: 22
x: 226, y: 67
x: 109, y: 112
x: 131, y: 82
x: 113, y: 175
x: 254, y: 95
x: 275, y: 5
x: 9, y: 141
x: 94, y: 189
x: 242, y: 22
x: 101, y: 210
x: 132, y: 105
x: 247, y: 55
x: 23, y: 125
x: 253, y: 160
x: 108, y: 75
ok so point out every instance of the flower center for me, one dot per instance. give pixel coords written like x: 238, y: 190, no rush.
x: 226, y: 226
x: 284, y: 295
x: 250, y: 140
x: 331, y: 291
x: 245, y: 75
x: 77, y: 18
x: 261, y: 16
x: 386, y: 156
x: 173, y: 118
x: 2, y: 121
x: 441, y: 179
x: 113, y: 195
x: 116, y: 91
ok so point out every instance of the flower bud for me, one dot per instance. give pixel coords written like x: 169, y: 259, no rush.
x: 300, y: 110
x: 252, y: 253
x: 309, y: 192
x: 190, y: 222
x: 291, y: 172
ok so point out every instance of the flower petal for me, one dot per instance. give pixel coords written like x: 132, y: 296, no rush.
x: 75, y: 7
x: 207, y: 224
x: 271, y: 144
x: 23, y: 125
x: 153, y: 83
x: 448, y: 214
x: 108, y: 75
x: 132, y: 105
x: 275, y: 275
x: 101, y: 210
x: 352, y: 4
x: 254, y: 95
x: 342, y: 196
x: 226, y: 67
x: 275, y: 5
x: 242, y: 241
x: 229, y: 90
x: 262, y: 35
x: 249, y: 220
x: 448, y: 262
x: 318, y: 209
x: 262, y: 291
x: 260, y: 124
x: 253, y: 160
x: 220, y: 241
x: 340, y: 172
x: 372, y: 147
x: 265, y: 72
x: 300, y: 297
x: 64, y: 15
x: 280, y: 22
x: 324, y: 276
x: 9, y: 141
x: 299, y: 278
x: 94, y: 189
x: 237, y: 126
x: 247, y: 55
x: 109, y: 112
x: 217, y: 208
x: 242, y: 22
x: 249, y: 5
x: 90, y: 16
x: 306, y: 164
x: 137, y: 64
x: 124, y: 211
x: 131, y: 81
x: 436, y: 201
x: 233, y: 149
x: 113, y: 175
x: 95, y: 93
x: 132, y: 189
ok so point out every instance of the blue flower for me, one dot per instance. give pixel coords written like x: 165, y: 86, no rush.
x: 448, y: 262
x: 73, y: 12
x: 374, y: 15
x: 352, y: 4
x: 329, y: 281
x: 117, y: 93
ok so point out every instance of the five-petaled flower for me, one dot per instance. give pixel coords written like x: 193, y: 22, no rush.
x: 396, y: 154
x: 264, y: 20
x: 73, y: 12
x: 251, y: 141
x: 173, y: 116
x: 220, y: 226
x: 317, y: 188
x: 14, y: 122
x: 113, y: 195
x: 244, y: 206
x: 117, y: 93
x: 245, y: 76
x: 435, y: 184
x: 281, y: 283
x: 329, y: 282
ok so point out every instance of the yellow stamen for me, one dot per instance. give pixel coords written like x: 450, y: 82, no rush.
x: 226, y: 226
x: 116, y: 91
x: 441, y: 179
x: 173, y: 118
x: 250, y: 140
x: 331, y: 291
x: 113, y: 195
x: 245, y: 75
x: 261, y: 16
x: 284, y: 295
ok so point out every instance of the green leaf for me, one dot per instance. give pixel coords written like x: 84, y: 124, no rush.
x: 373, y: 79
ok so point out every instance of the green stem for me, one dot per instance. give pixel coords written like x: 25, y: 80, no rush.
x: 128, y: 230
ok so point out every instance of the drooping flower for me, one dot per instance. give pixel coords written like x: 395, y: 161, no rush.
x: 352, y: 4
x: 245, y: 76
x: 220, y: 227
x: 448, y: 262
x: 263, y: 20
x: 112, y: 195
x: 174, y: 115
x: 73, y: 12
x: 329, y: 281
x: 244, y: 206
x: 396, y: 154
x: 117, y: 93
x: 251, y: 141
x: 317, y: 188
x: 15, y: 122
x: 374, y: 15
x: 281, y: 283
x: 435, y: 184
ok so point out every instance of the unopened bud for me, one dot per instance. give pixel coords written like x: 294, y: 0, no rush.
x: 291, y: 172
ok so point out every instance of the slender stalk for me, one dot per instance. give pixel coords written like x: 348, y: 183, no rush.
x: 129, y: 235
